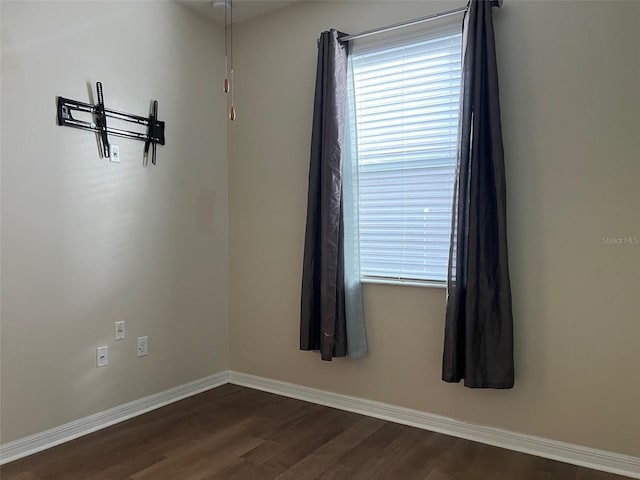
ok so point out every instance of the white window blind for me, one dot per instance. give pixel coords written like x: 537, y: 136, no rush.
x: 405, y: 98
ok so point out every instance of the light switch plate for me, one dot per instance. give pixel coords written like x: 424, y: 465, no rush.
x: 119, y: 331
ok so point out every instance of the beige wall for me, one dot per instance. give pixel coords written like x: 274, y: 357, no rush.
x: 86, y: 242
x: 570, y: 101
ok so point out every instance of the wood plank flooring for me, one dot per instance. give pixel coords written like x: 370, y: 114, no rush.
x: 233, y: 432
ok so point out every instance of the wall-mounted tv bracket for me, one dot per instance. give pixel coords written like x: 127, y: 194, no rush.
x: 153, y: 136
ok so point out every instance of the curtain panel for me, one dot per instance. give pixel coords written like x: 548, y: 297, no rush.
x: 322, y: 318
x: 478, y: 345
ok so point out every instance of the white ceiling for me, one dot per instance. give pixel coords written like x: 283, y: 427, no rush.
x: 243, y: 10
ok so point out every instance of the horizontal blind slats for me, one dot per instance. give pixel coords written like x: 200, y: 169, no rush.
x: 407, y: 95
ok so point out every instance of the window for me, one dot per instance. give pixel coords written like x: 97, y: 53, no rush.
x: 404, y: 99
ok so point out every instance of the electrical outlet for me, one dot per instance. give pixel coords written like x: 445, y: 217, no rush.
x: 102, y: 356
x: 114, y: 153
x: 143, y: 346
x: 119, y: 331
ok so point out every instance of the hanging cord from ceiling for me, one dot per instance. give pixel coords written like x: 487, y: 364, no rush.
x: 232, y: 109
x: 225, y: 86
x: 228, y: 53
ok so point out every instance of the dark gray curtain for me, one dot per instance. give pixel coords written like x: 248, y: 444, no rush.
x: 478, y: 344
x: 323, y: 319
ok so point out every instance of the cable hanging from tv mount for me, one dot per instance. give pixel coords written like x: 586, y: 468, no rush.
x: 153, y: 136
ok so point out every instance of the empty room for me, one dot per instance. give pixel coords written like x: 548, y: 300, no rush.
x: 320, y: 239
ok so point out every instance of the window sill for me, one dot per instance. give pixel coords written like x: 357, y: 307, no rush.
x: 407, y: 283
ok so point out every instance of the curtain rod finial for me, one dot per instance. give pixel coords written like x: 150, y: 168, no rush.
x: 497, y: 3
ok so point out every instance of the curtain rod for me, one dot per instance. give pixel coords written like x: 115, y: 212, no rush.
x: 417, y: 21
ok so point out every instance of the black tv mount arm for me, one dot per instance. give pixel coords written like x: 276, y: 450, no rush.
x: 153, y: 135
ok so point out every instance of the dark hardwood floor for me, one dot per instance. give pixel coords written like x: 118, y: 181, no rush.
x: 233, y: 432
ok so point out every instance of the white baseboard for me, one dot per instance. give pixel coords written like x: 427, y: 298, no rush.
x: 63, y: 433
x: 541, y: 447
